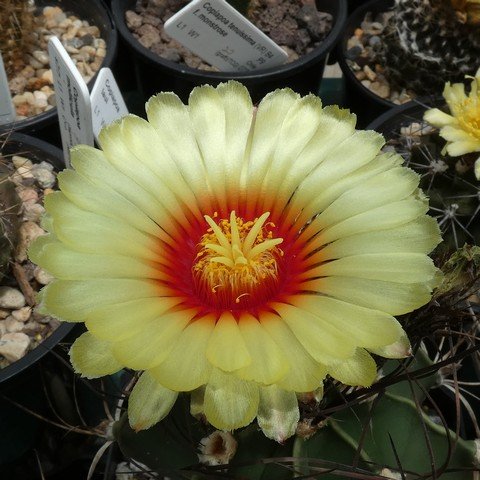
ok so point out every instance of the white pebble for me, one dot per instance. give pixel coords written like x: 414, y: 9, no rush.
x: 13, y: 346
x: 21, y: 162
x: 27, y: 194
x: 29, y: 98
x: 33, y: 211
x: 48, y: 76
x: 11, y: 298
x: 41, y: 56
x: 41, y: 276
x: 22, y: 314
x: 44, y: 176
x: 13, y: 325
x: 25, y: 172
x: 27, y: 233
x: 101, y: 52
x: 18, y: 100
x: 40, y: 99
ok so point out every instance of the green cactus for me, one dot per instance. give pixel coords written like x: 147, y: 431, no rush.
x: 388, y: 430
x: 429, y: 42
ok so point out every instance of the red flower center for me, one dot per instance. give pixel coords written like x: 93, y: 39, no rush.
x: 234, y: 264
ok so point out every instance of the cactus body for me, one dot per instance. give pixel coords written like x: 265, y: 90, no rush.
x: 429, y: 42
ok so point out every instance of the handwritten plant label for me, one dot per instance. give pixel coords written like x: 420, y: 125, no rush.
x: 7, y: 112
x: 107, y: 101
x: 216, y: 32
x: 73, y: 99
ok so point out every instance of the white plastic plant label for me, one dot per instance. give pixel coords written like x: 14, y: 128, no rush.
x: 7, y: 112
x: 107, y: 101
x: 216, y: 32
x: 73, y: 99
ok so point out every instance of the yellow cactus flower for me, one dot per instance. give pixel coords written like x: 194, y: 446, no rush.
x: 461, y: 129
x: 240, y: 254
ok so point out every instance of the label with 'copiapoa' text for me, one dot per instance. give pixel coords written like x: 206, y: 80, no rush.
x: 216, y: 32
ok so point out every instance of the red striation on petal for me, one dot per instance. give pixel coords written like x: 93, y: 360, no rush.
x: 177, y: 262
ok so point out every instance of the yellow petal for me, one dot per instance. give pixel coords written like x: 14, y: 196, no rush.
x: 299, y: 128
x: 360, y: 148
x: 269, y: 363
x: 454, y: 94
x: 462, y: 147
x: 149, y: 402
x: 369, y: 328
x: 103, y: 200
x: 394, y: 267
x: 389, y: 297
x: 91, y: 164
x: 387, y: 216
x: 171, y: 119
x: 456, y: 134
x: 333, y: 126
x: 437, y: 118
x: 278, y: 413
x: 150, y: 346
x: 122, y: 320
x: 93, y: 357
x: 226, y: 348
x: 420, y: 236
x: 168, y: 211
x: 319, y: 200
x: 358, y: 370
x: 271, y: 113
x: 322, y: 340
x: 221, y: 119
x: 304, y: 374
x: 92, y: 233
x: 186, y: 366
x: 384, y: 188
x: 197, y: 403
x: 72, y: 301
x: 399, y: 349
x: 143, y: 139
x: 67, y: 264
x: 230, y: 402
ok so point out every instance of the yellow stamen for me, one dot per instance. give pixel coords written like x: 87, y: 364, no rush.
x: 236, y: 258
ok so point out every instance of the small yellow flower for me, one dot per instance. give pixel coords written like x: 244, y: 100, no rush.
x: 468, y: 11
x: 238, y: 254
x: 461, y: 129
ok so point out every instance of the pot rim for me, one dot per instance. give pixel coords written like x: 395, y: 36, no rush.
x: 120, y: 6
x: 353, y: 21
x: 50, y: 116
x: 55, y: 156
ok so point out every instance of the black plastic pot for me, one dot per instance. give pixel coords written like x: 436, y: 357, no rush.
x: 389, y: 122
x: 20, y: 382
x: 354, y: 4
x: 155, y: 74
x: 45, y: 125
x: 360, y: 99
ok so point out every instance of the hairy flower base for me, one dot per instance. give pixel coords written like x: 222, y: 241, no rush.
x: 238, y: 255
x: 461, y: 129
